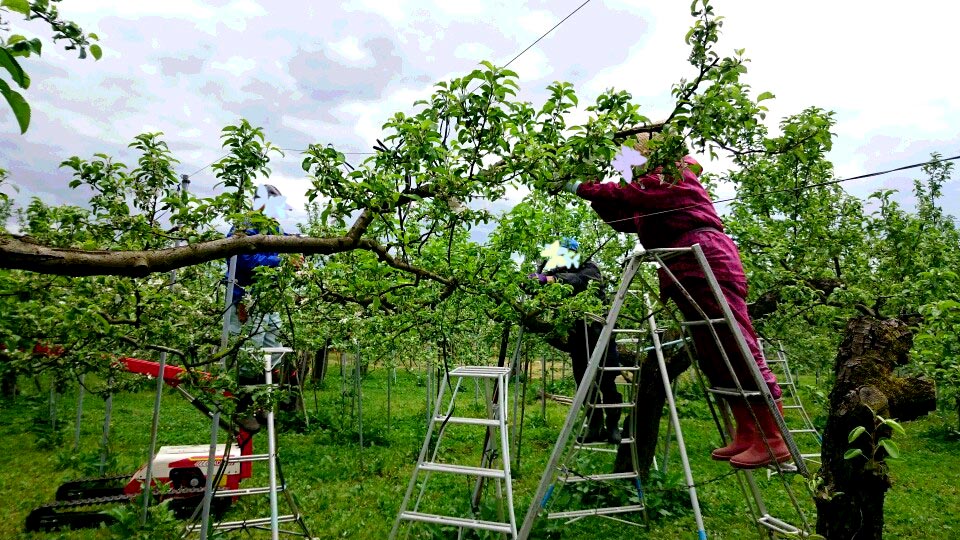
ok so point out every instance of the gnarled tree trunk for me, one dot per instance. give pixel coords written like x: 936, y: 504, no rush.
x: 850, y: 499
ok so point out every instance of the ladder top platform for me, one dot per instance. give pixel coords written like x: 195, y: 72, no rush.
x: 275, y: 350
x: 479, y: 371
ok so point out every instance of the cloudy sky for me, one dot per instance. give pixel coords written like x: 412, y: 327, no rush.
x: 332, y: 72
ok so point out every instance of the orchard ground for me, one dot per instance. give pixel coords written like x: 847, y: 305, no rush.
x: 348, y: 492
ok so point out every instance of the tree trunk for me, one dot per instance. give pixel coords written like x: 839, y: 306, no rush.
x: 8, y: 378
x: 320, y: 363
x: 644, y: 419
x: 850, y: 498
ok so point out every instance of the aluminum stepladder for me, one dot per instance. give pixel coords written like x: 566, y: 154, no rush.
x: 276, y: 481
x: 766, y: 524
x: 496, y: 418
x: 584, y: 463
x: 794, y: 413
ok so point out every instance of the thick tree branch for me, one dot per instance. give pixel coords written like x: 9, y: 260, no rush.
x: 21, y: 254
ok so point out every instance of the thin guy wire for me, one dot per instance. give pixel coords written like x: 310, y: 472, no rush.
x: 512, y: 60
x: 547, y: 33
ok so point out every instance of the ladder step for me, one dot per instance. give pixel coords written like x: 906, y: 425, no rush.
x: 574, y: 478
x: 704, y: 322
x: 243, y: 524
x: 596, y: 447
x: 245, y: 491
x: 467, y: 420
x: 479, y: 372
x: 803, y: 431
x: 624, y: 405
x: 630, y: 331
x: 603, y: 446
x: 495, y: 526
x: 251, y: 457
x: 785, y: 407
x: 779, y: 526
x: 463, y: 469
x: 596, y: 511
x: 595, y: 318
x: 620, y: 368
x: 733, y: 392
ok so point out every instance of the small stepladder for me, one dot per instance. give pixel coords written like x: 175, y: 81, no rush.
x: 767, y: 525
x: 581, y: 466
x: 276, y: 482
x: 496, y: 418
x: 794, y: 413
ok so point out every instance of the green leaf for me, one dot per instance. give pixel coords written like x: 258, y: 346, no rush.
x: 895, y: 426
x: 891, y: 447
x: 8, y: 62
x: 96, y: 51
x: 20, y: 107
x: 852, y: 453
x: 20, y: 6
x: 765, y: 95
x: 856, y: 432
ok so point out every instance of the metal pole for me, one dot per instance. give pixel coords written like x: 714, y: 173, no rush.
x: 543, y: 388
x: 53, y: 404
x: 76, y: 432
x: 359, y: 398
x: 105, y: 439
x: 148, y: 479
x: 271, y: 449
x: 215, y: 421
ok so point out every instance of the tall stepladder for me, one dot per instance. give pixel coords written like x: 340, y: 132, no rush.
x: 633, y: 289
x: 429, y: 462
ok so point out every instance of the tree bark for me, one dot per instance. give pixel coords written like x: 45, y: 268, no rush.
x: 850, y: 498
x: 22, y: 253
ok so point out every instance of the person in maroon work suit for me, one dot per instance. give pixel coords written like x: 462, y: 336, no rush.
x: 668, y: 213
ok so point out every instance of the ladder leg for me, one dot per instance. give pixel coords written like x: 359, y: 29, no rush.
x: 271, y: 451
x: 675, y: 420
x: 504, y: 457
x: 541, y: 496
x: 748, y: 358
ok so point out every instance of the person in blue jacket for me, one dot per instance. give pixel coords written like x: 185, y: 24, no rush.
x: 249, y: 316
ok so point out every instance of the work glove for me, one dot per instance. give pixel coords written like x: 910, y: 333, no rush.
x: 555, y: 186
x: 542, y: 278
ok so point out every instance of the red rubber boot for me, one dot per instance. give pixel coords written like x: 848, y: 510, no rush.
x: 758, y: 455
x: 745, y: 431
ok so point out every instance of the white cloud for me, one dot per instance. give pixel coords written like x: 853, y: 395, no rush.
x: 536, y: 22
x: 397, y: 12
x: 349, y: 49
x: 234, y: 15
x: 367, y: 118
x: 459, y: 9
x: 473, y: 51
x: 235, y: 65
x: 532, y: 66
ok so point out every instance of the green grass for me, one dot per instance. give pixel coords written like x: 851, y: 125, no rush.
x: 346, y: 492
